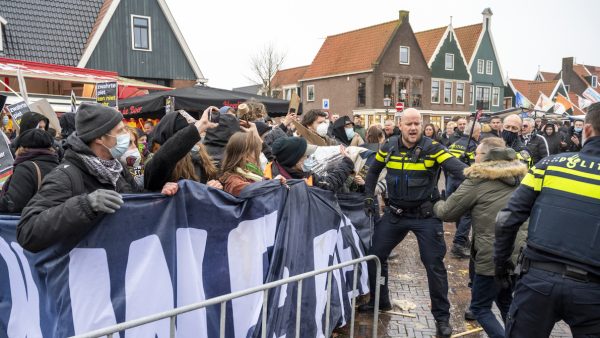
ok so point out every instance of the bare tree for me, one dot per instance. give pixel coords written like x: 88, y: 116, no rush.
x: 264, y: 64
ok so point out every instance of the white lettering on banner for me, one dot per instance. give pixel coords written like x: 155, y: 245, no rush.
x: 88, y: 270
x: 24, y: 320
x: 323, y: 246
x: 246, y: 247
x: 148, y: 287
x: 191, y: 245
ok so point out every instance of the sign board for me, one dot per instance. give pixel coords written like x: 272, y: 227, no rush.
x: 399, y: 107
x: 6, y: 160
x: 16, y: 111
x: 325, y: 103
x: 106, y: 94
x: 169, y: 104
x: 294, y: 102
x: 43, y: 107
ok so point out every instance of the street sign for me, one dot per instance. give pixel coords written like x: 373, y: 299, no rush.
x: 399, y: 107
x: 325, y: 103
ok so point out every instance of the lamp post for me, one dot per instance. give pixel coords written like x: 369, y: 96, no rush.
x: 387, y: 102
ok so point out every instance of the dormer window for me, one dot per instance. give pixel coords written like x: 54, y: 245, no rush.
x: 3, y: 23
x: 594, y: 81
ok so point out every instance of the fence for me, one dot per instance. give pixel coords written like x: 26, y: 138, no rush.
x: 172, y: 314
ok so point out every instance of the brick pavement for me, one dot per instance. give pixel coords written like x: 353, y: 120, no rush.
x: 408, y: 281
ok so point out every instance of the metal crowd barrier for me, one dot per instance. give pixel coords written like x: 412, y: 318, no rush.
x: 172, y: 314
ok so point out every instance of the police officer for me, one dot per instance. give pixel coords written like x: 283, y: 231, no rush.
x: 464, y: 150
x: 560, y: 271
x: 413, y: 164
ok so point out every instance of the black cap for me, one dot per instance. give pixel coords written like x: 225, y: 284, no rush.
x: 36, y: 138
x: 289, y: 150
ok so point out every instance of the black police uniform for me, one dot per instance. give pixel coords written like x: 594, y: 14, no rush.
x: 560, y: 272
x: 412, y: 189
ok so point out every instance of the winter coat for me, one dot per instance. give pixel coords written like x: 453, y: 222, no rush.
x: 235, y: 183
x: 340, y: 134
x: 216, y: 139
x: 572, y: 147
x: 30, y: 120
x: 485, y: 191
x: 24, y: 182
x: 553, y: 142
x: 538, y: 147
x: 60, y: 211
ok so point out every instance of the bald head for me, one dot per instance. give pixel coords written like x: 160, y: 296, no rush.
x: 410, y: 126
x: 411, y: 112
x: 512, y: 123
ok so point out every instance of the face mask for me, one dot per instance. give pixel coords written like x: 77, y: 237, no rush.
x: 509, y: 137
x: 322, y: 129
x: 5, y: 120
x: 349, y: 133
x: 121, y: 147
x: 578, y: 129
x: 131, y: 158
x: 309, y: 164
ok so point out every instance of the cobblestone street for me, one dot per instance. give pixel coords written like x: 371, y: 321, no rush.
x: 408, y: 281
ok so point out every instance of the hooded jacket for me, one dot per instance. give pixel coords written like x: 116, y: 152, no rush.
x: 59, y: 213
x: 216, y: 139
x: 340, y: 134
x: 485, y: 191
x: 553, y: 140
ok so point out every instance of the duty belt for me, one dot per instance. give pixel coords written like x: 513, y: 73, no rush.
x: 424, y: 210
x: 567, y: 271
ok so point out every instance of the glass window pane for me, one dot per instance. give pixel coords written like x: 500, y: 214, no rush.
x: 140, y: 22
x: 447, y: 92
x: 435, y: 91
x: 460, y: 92
x: 404, y: 51
x: 449, y: 61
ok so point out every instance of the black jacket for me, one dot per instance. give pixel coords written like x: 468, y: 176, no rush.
x: 23, y: 183
x: 538, y: 147
x: 456, y: 136
x: 216, y: 139
x: 30, y: 120
x: 60, y: 214
x: 553, y: 142
x: 571, y: 146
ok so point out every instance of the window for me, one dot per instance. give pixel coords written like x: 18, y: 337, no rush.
x: 310, y: 93
x: 404, y: 55
x: 402, y: 87
x: 471, y: 96
x: 480, y: 66
x: 495, y: 96
x: 362, y: 92
x: 567, y: 87
x: 482, y: 96
x: 287, y: 94
x: 447, y: 92
x: 594, y: 81
x: 449, y: 61
x: 435, y: 91
x: 460, y: 93
x: 416, y: 87
x: 141, y: 33
x: 489, y: 66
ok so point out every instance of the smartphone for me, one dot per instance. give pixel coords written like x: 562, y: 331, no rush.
x: 214, y: 115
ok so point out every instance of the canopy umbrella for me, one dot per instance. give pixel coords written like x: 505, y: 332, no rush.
x: 194, y: 100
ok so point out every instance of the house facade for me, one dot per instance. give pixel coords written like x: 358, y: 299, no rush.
x: 287, y: 82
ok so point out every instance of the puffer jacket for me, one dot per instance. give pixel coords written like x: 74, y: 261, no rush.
x: 60, y: 211
x: 485, y: 191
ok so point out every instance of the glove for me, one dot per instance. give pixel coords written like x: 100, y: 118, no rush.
x: 107, y: 201
x: 503, y: 273
x: 370, y: 208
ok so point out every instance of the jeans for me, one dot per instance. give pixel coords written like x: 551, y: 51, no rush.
x: 483, y: 294
x: 389, y: 232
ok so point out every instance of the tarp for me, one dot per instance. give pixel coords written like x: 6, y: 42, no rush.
x: 157, y: 253
x: 195, y: 99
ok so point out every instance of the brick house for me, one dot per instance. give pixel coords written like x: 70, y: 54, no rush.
x: 287, y: 81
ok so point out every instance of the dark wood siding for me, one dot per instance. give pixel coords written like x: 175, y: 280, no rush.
x: 114, y: 50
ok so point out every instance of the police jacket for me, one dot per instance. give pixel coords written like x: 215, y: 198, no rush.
x: 464, y: 150
x: 412, y: 173
x: 561, y: 197
x: 537, y: 146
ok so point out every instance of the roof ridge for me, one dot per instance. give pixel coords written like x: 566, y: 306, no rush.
x: 467, y: 26
x: 363, y: 28
x: 293, y: 68
x: 432, y: 29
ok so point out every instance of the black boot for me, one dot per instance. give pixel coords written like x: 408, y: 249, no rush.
x: 469, y: 315
x: 460, y: 252
x: 370, y: 306
x: 443, y: 329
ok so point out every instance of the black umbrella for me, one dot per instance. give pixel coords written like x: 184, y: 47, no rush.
x: 194, y: 100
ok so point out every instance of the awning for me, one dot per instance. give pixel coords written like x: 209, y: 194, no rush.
x: 30, y: 69
x: 60, y: 104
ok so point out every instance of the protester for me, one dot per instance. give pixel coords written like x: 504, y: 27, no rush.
x: 375, y: 137
x: 148, y: 127
x: 553, y: 138
x: 488, y: 185
x: 343, y: 132
x: 293, y: 161
x: 314, y: 128
x: 35, y: 159
x: 216, y: 138
x: 511, y: 128
x: 574, y: 139
x: 358, y: 126
x: 459, y: 131
x: 538, y: 125
x: 537, y: 145
x: 86, y: 186
x: 173, y: 142
x: 390, y: 129
x: 132, y: 159
x: 447, y: 135
x: 29, y: 120
x: 430, y: 132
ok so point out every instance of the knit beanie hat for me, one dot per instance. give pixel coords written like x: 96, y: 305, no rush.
x: 289, y: 150
x: 35, y: 138
x: 94, y: 120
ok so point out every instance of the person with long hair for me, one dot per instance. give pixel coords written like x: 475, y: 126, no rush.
x: 431, y: 131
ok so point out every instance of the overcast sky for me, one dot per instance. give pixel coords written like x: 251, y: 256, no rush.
x: 224, y: 34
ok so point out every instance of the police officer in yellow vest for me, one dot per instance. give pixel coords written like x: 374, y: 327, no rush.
x: 413, y: 164
x: 559, y: 276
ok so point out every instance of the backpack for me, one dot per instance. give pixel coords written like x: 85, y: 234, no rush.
x: 74, y: 176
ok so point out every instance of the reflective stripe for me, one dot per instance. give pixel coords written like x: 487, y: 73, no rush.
x: 380, y: 158
x: 438, y: 153
x: 406, y: 166
x: 533, y: 182
x: 443, y: 157
x: 572, y: 186
x: 429, y: 163
x: 575, y: 173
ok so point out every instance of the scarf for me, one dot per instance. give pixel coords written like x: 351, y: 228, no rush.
x: 107, y: 171
x: 248, y: 175
x: 33, y: 153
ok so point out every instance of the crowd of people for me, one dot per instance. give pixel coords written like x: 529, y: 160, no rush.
x: 63, y: 184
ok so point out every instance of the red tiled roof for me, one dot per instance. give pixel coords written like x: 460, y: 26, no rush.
x: 289, y: 76
x: 531, y: 89
x: 352, y: 51
x: 549, y: 76
x: 595, y: 70
x: 428, y: 41
x: 467, y: 37
x: 581, y: 70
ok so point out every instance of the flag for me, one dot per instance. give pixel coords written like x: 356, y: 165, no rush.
x: 563, y: 105
x: 521, y: 101
x: 159, y: 253
x: 73, y: 102
x: 544, y: 103
x: 591, y: 95
x: 583, y: 102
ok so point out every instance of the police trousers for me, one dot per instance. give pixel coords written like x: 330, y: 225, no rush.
x: 390, y: 230
x: 543, y: 298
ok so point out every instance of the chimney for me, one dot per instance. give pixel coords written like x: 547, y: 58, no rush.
x: 567, y: 65
x: 487, y: 18
x: 403, y: 16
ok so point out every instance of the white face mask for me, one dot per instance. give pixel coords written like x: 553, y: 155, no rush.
x: 322, y: 129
